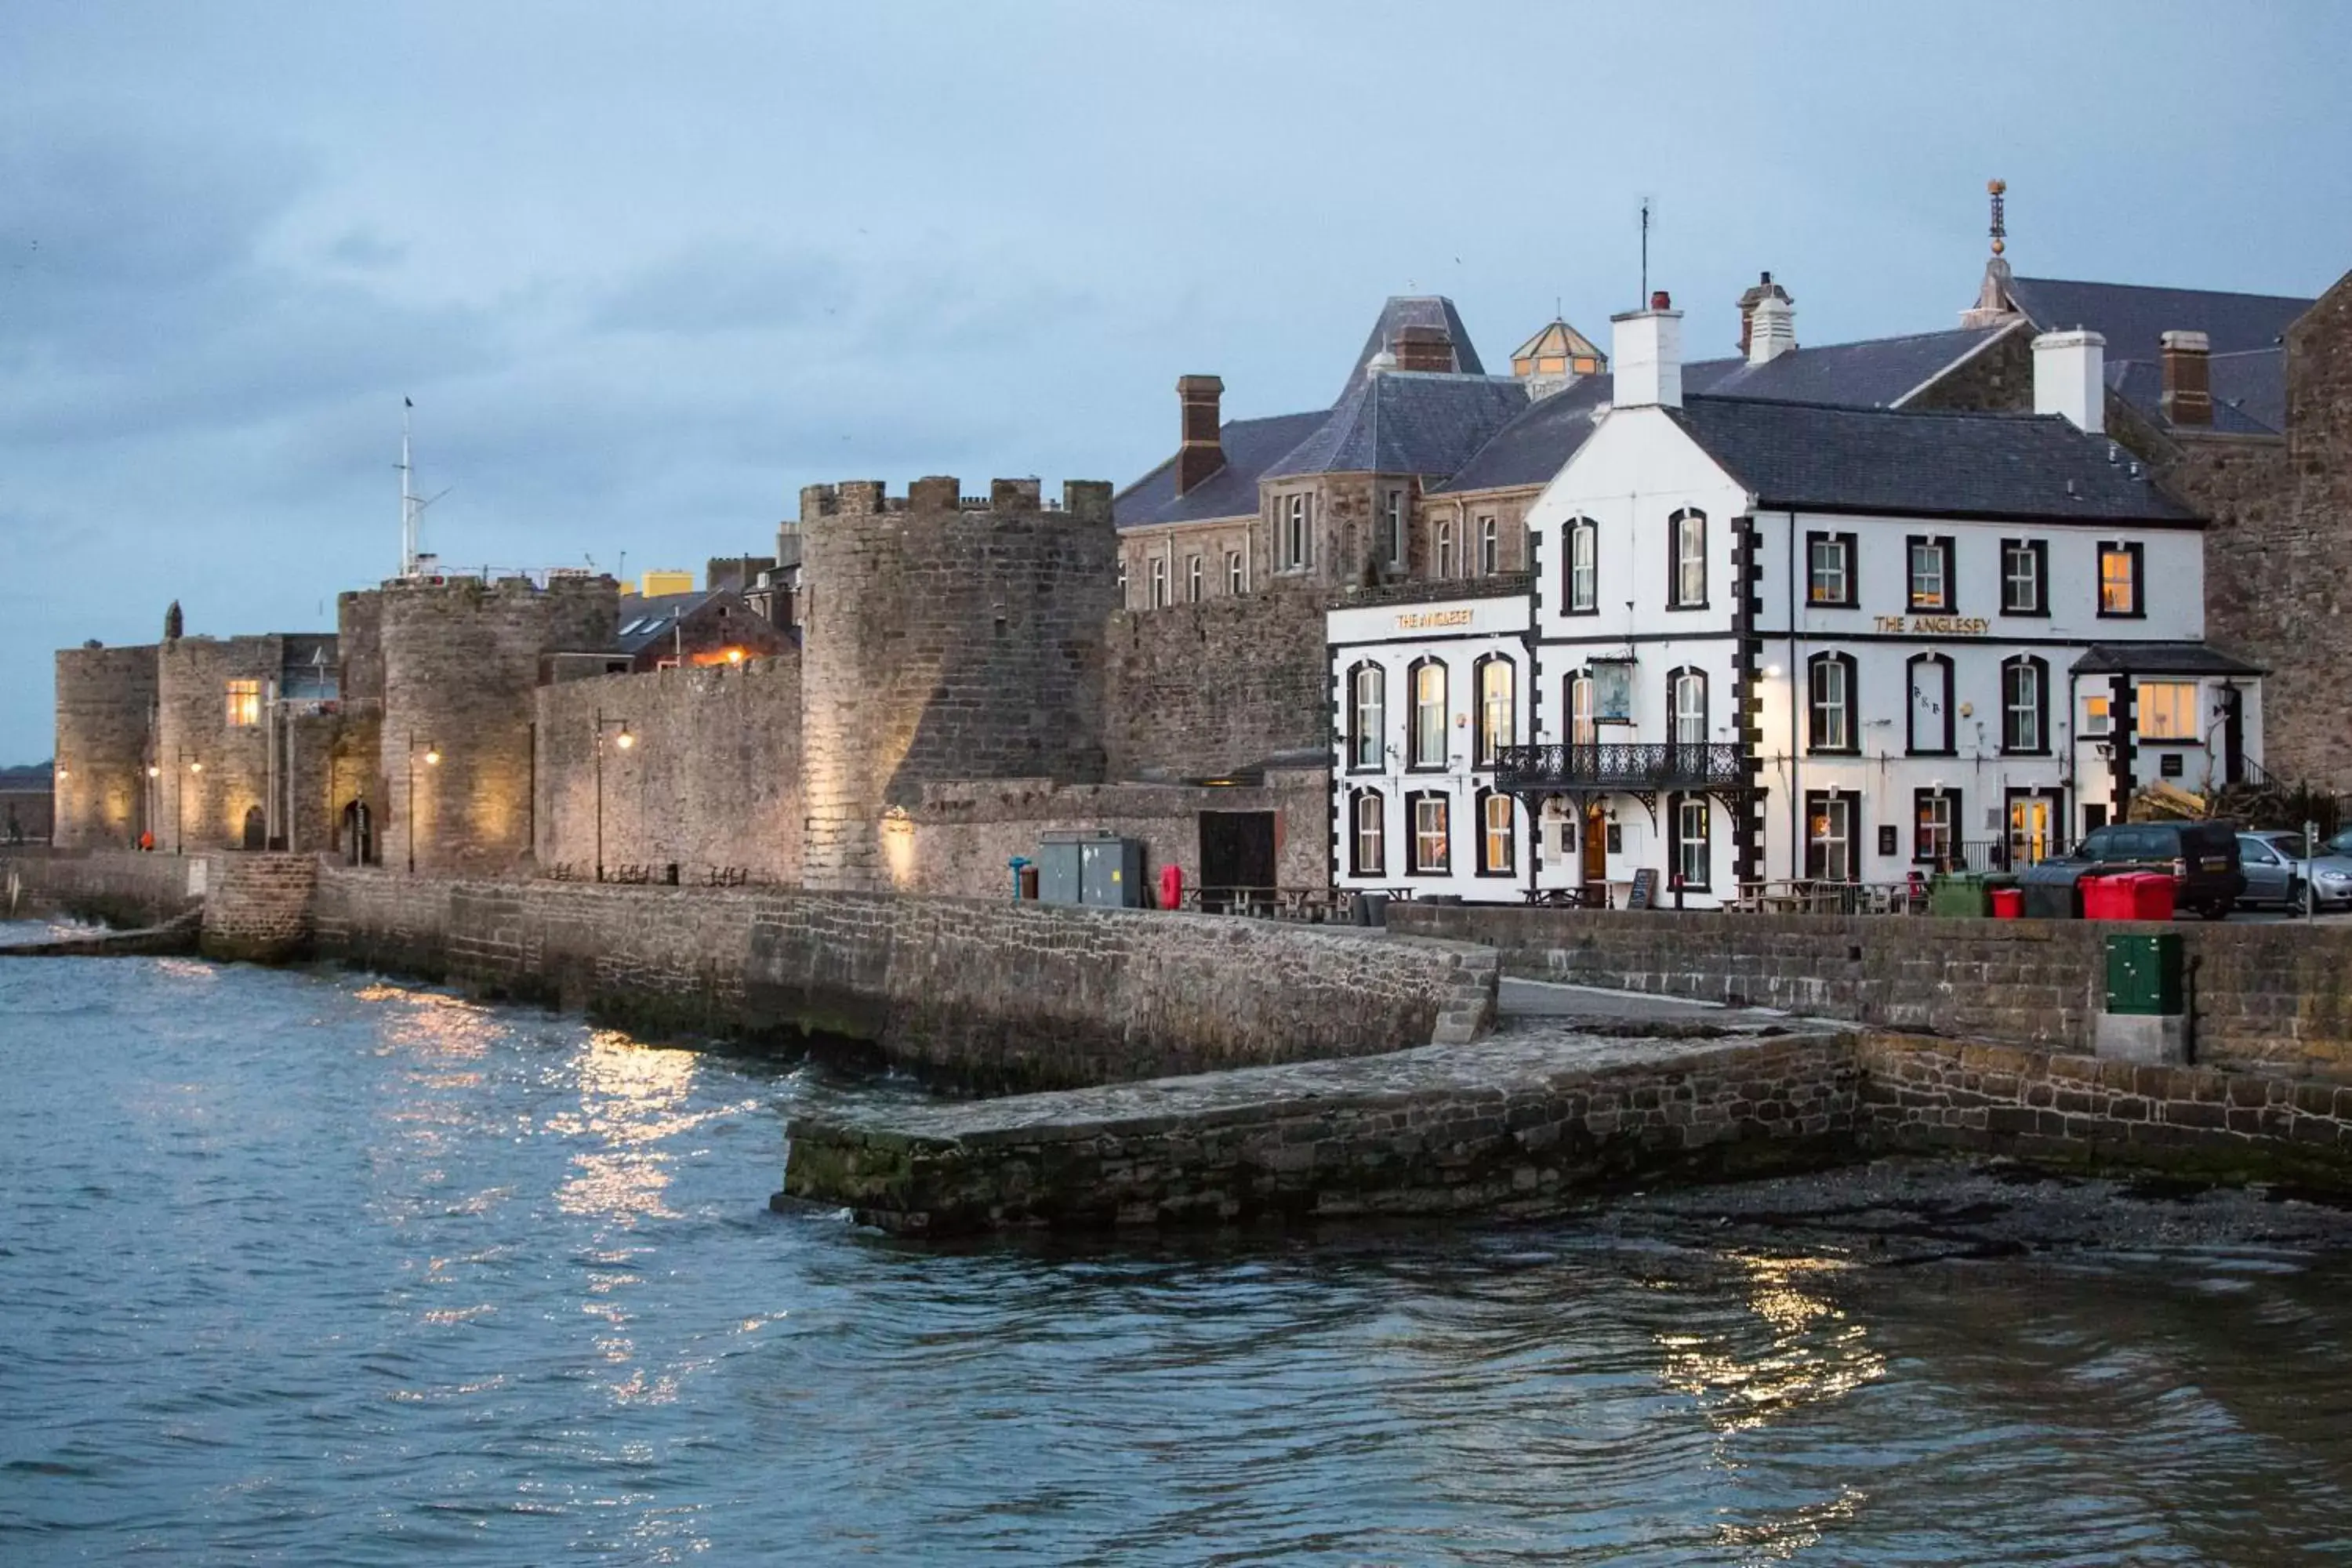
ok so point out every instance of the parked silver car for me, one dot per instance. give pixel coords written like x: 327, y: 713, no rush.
x: 2277, y: 866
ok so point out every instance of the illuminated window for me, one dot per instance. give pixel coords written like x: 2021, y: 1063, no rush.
x: 1829, y: 569
x: 1496, y: 695
x: 2119, y: 580
x: 1832, y: 823
x: 245, y: 702
x: 1497, y: 830
x: 2098, y: 716
x: 1934, y: 818
x: 2167, y: 710
x: 1431, y: 842
x: 1428, y: 715
x: 1930, y: 572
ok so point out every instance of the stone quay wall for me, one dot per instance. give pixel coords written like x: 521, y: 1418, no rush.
x: 993, y: 995
x: 1198, y: 691
x: 122, y: 886
x: 2274, y: 998
x: 712, y: 781
x: 259, y: 907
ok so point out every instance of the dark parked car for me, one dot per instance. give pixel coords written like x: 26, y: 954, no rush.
x: 2202, y: 858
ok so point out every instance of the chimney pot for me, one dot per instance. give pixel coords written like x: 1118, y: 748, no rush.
x: 1661, y: 300
x: 1202, y: 451
x: 2187, y: 378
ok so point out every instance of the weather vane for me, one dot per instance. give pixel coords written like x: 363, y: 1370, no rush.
x: 1997, y: 189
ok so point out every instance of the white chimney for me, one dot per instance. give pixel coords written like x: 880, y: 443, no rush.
x: 2069, y: 377
x: 1772, y: 329
x: 1646, y: 356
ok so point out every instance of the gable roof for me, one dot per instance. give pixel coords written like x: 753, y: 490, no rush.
x: 646, y: 619
x: 1405, y: 422
x: 2248, y: 389
x: 1402, y: 311
x: 1818, y: 457
x: 2246, y: 333
x: 1533, y: 447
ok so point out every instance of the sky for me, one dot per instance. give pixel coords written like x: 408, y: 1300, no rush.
x: 647, y: 269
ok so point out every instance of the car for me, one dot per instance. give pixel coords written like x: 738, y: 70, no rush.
x: 2339, y: 844
x: 2201, y: 858
x: 2277, y: 870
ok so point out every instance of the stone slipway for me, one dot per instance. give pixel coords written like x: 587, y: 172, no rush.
x: 1521, y: 1122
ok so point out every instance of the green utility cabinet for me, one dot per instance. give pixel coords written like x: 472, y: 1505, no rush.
x: 2144, y: 974
x: 1959, y: 894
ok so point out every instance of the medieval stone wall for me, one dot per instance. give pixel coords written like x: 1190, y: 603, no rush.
x: 710, y: 781
x: 212, y: 773
x: 1198, y: 691
x: 105, y: 706
x: 945, y: 641
x: 461, y: 662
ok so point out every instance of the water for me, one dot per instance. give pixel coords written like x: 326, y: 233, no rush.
x: 301, y: 1268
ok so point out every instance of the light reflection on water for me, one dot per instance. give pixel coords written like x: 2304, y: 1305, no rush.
x: 298, y: 1269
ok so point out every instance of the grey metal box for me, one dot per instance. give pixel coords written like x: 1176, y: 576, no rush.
x: 1113, y: 873
x: 1058, y: 862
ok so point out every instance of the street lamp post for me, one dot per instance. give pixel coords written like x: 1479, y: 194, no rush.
x: 623, y: 741
x: 432, y: 760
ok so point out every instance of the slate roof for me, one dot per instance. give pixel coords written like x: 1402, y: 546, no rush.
x: 2134, y: 319
x: 1531, y: 448
x: 1416, y: 311
x: 1877, y: 372
x: 1825, y: 458
x: 1252, y: 445
x: 643, y: 620
x: 2159, y: 659
x: 1405, y: 422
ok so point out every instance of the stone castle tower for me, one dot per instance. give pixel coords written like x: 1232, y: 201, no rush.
x: 460, y: 664
x: 106, y: 705
x: 946, y: 637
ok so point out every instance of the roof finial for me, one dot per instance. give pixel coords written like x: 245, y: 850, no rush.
x: 1997, y: 189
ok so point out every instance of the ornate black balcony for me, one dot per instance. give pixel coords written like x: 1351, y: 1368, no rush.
x: 1634, y: 767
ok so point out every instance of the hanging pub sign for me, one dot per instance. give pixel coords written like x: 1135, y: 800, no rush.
x: 1612, y: 691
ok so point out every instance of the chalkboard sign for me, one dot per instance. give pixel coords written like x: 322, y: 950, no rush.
x: 1645, y: 888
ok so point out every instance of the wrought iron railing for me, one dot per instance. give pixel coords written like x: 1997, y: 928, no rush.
x: 1619, y: 765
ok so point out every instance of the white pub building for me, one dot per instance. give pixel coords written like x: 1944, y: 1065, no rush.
x: 1775, y: 641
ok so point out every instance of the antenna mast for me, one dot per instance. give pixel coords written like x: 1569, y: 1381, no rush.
x: 1645, y: 252
x: 408, y: 507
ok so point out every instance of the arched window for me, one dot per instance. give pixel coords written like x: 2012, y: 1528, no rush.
x: 1686, y: 564
x: 2025, y: 705
x: 1582, y: 595
x: 1930, y: 732
x: 1367, y: 715
x: 1583, y: 729
x: 1498, y: 707
x: 1444, y: 550
x: 1830, y: 722
x: 1490, y: 547
x: 1428, y: 737
x: 1433, y: 844
x: 1497, y: 834
x: 1233, y: 573
x: 1122, y: 579
x: 1687, y: 707
x: 1159, y: 583
x: 1368, y: 819
x: 1192, y: 581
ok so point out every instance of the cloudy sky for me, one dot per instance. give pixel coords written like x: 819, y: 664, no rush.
x: 646, y: 270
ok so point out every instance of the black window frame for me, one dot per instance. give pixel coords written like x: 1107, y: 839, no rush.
x: 1816, y: 853
x: 1483, y: 754
x: 1591, y: 529
x: 1911, y: 746
x: 1413, y: 867
x: 1413, y: 762
x: 1676, y: 842
x: 1814, y: 745
x: 2040, y: 550
x: 1356, y: 736
x: 1674, y: 679
x: 2041, y: 668
x: 1920, y: 853
x: 1357, y: 798
x: 1480, y: 803
x: 2137, y: 551
x: 1674, y: 600
x: 1944, y: 545
x: 1851, y: 544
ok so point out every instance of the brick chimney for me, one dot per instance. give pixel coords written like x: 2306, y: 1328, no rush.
x: 1203, y: 450
x: 1424, y: 348
x: 1648, y: 356
x: 2187, y: 378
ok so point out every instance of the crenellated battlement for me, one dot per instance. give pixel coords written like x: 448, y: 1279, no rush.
x: 1083, y: 501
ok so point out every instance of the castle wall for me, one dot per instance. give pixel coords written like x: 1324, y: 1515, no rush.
x: 945, y: 641
x: 359, y: 647
x: 212, y: 772
x: 958, y: 840
x: 1197, y: 691
x: 105, y: 704
x: 461, y: 662
x: 712, y: 780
